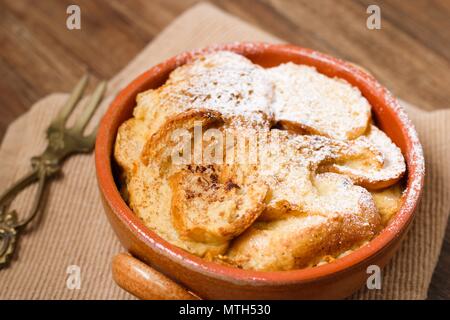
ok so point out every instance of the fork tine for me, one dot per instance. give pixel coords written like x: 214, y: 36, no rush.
x: 75, y: 96
x: 89, y: 110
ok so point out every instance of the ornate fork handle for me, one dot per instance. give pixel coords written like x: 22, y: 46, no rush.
x: 10, y: 225
x: 62, y: 143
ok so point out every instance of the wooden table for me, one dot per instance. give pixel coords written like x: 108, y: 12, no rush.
x: 410, y: 54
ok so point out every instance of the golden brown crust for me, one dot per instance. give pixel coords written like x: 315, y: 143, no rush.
x: 299, y: 241
x: 150, y: 193
x: 291, y: 173
x: 209, y: 210
x: 131, y: 137
x: 162, y: 143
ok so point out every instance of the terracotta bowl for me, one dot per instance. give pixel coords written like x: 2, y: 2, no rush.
x: 209, y: 280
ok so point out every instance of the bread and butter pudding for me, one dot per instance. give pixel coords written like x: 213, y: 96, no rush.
x: 302, y: 177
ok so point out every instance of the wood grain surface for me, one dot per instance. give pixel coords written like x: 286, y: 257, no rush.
x: 410, y: 54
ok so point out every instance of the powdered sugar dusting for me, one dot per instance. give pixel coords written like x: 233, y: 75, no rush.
x: 231, y: 84
x: 415, y: 159
x: 223, y: 81
x: 390, y: 164
x: 326, y: 106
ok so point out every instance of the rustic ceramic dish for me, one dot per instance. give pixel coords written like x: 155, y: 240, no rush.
x: 214, y: 281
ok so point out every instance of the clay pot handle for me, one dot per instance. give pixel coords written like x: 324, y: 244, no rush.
x: 145, y: 282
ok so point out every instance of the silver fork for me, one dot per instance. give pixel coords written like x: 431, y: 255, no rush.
x: 62, y: 142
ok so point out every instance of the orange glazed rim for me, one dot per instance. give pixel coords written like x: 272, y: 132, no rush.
x: 267, y: 54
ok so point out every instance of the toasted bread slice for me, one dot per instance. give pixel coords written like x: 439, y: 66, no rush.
x: 298, y: 241
x: 163, y: 192
x: 150, y: 199
x: 223, y: 81
x: 368, y: 173
x: 209, y: 209
x: 206, y: 213
x: 289, y: 166
x: 150, y: 195
x: 307, y: 101
x: 131, y: 137
x: 169, y: 140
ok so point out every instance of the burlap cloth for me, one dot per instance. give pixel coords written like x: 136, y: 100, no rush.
x: 73, y: 229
